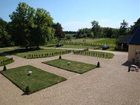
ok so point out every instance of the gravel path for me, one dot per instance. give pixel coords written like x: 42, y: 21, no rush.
x: 109, y: 85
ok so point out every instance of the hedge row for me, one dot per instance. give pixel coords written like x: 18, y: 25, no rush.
x: 32, y: 56
x: 6, y: 61
x: 95, y: 54
x: 86, y: 44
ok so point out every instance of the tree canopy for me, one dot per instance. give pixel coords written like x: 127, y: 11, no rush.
x: 30, y: 27
x: 4, y: 36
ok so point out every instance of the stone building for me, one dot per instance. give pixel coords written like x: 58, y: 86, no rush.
x: 134, y: 47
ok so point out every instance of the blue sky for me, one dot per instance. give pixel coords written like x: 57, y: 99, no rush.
x: 75, y: 14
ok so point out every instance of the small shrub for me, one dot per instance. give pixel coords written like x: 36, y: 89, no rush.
x: 60, y: 57
x: 27, y: 90
x: 4, y: 68
x: 98, y: 64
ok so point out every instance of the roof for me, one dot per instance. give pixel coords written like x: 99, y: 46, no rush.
x: 135, y: 40
x: 125, y: 39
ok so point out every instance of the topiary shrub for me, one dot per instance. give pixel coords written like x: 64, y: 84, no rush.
x: 60, y: 57
x: 98, y: 64
x: 4, y: 68
x: 27, y: 90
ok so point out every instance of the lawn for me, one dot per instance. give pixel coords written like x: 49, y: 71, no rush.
x: 38, y: 80
x: 73, y: 66
x: 42, y: 53
x: 6, y: 49
x: 92, y: 42
x: 4, y: 60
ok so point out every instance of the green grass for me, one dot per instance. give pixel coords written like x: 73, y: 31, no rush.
x: 105, y: 55
x: 38, y: 80
x: 74, y: 66
x: 6, y: 49
x: 42, y: 53
x: 92, y: 42
x: 4, y: 60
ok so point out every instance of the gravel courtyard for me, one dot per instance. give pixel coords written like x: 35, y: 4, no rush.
x: 109, y: 85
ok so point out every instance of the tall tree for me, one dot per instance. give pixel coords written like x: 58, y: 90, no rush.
x: 59, y: 31
x: 43, y: 30
x: 30, y: 27
x: 4, y: 36
x: 95, y: 28
x: 123, y: 28
x: 135, y: 26
x: 21, y: 21
x: 108, y: 32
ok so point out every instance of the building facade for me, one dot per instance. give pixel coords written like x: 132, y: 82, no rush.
x: 134, y: 47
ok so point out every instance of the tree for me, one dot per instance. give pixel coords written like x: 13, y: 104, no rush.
x: 20, y: 23
x: 4, y: 36
x: 135, y: 26
x: 59, y: 31
x: 30, y: 27
x: 108, y: 32
x: 123, y: 28
x: 96, y: 29
x: 43, y: 30
x: 84, y: 32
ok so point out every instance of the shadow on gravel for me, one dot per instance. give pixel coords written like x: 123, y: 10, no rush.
x: 127, y: 63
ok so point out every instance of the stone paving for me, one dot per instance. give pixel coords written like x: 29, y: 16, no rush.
x: 109, y: 85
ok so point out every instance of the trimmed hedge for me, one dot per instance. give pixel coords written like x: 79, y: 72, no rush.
x: 95, y: 54
x: 32, y: 56
x: 86, y: 44
x: 6, y: 61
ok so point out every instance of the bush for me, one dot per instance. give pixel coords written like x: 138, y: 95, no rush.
x: 27, y: 90
x: 60, y: 57
x: 98, y: 64
x: 4, y: 68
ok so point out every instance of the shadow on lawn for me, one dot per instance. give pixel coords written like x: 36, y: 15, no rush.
x: 18, y: 50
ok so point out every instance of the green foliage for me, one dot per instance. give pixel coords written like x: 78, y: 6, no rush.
x: 60, y: 57
x: 5, y: 39
x: 97, y: 32
x: 72, y: 66
x: 4, y: 68
x: 123, y: 28
x: 58, y: 31
x: 95, y: 54
x: 30, y: 27
x: 98, y: 64
x: 27, y: 90
x: 5, y: 60
x: 42, y: 53
x: 96, y: 29
x: 91, y: 42
x: 135, y: 26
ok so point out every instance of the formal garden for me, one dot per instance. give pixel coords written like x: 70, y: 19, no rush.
x: 32, y: 35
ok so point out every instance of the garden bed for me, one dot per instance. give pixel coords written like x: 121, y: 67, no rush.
x: 38, y: 80
x: 73, y: 66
